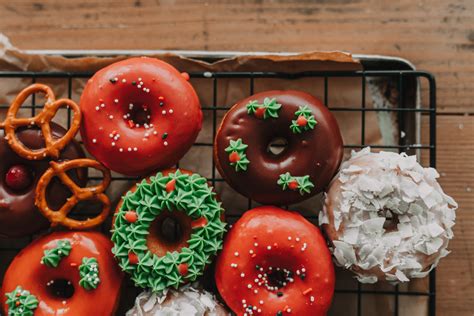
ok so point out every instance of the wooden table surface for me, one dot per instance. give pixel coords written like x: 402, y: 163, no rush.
x: 437, y: 36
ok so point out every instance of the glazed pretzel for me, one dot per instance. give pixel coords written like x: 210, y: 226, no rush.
x: 52, y: 147
x: 60, y: 217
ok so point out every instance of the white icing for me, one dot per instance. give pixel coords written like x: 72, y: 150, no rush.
x: 186, y: 301
x: 373, y: 187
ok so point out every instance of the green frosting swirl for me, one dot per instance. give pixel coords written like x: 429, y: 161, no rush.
x: 270, y: 106
x: 310, y: 120
x: 21, y: 303
x: 191, y: 195
x: 89, y: 272
x: 238, y: 147
x: 53, y: 256
x: 304, y: 183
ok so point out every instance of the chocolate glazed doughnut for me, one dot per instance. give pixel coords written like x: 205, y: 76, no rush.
x: 18, y: 214
x: 304, y: 168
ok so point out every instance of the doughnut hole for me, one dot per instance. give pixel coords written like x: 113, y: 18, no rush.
x: 391, y: 220
x: 170, y: 231
x: 138, y: 115
x: 60, y: 289
x: 277, y: 146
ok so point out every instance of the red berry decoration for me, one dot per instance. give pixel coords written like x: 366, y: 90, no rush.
x: 133, y: 258
x: 234, y: 157
x: 260, y: 112
x: 18, y: 177
x: 170, y: 186
x: 183, y: 269
x: 301, y: 121
x: 293, y: 185
x: 131, y: 216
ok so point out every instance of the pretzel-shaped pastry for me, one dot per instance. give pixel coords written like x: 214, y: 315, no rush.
x: 59, y: 169
x: 52, y: 147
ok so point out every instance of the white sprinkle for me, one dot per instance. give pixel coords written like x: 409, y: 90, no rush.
x: 250, y: 251
x: 297, y: 239
x: 102, y: 105
x: 94, y: 140
x: 129, y: 148
x: 255, y: 244
x: 163, y: 112
x: 64, y: 302
x: 97, y: 108
x: 144, y: 89
x: 147, y: 134
x: 233, y: 265
x: 139, y: 86
x: 303, y: 270
x: 288, y: 310
x: 244, y: 301
x: 135, y: 149
x: 130, y: 106
x: 242, y: 275
x: 255, y: 291
x: 170, y: 111
x: 311, y: 298
x: 269, y: 247
x: 155, y: 133
x: 165, y: 143
x: 249, y: 286
x: 111, y: 135
x: 121, y: 149
x: 113, y: 144
x: 124, y: 80
x: 116, y: 101
x: 261, y: 302
x: 111, y: 117
x: 139, y: 79
x: 289, y: 237
x: 125, y: 116
x: 236, y: 254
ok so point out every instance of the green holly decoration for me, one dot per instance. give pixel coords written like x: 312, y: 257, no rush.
x: 237, y: 157
x: 303, y: 184
x: 21, y: 303
x: 304, y: 121
x: 53, y: 256
x: 89, y: 272
x: 269, y: 108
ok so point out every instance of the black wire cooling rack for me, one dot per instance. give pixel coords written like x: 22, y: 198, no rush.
x: 401, y: 79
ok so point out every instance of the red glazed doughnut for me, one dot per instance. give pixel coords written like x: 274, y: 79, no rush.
x: 304, y: 168
x: 275, y: 262
x: 139, y: 115
x: 64, y: 273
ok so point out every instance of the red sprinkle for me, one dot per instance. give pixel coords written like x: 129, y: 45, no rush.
x: 73, y: 264
x: 293, y: 185
x: 131, y: 123
x: 301, y: 121
x: 18, y: 294
x: 307, y: 291
x: 234, y: 157
x: 131, y: 216
x: 171, y: 185
x: 17, y: 303
x: 200, y: 222
x: 183, y: 269
x: 259, y: 112
x: 185, y: 75
x: 18, y: 177
x: 133, y: 258
x: 161, y: 98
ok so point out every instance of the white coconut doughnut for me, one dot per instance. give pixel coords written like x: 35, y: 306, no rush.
x: 387, y: 217
x: 187, y: 301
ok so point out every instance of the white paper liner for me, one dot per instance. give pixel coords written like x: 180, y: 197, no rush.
x: 371, y: 186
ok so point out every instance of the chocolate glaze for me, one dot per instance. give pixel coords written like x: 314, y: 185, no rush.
x: 317, y: 152
x: 18, y: 214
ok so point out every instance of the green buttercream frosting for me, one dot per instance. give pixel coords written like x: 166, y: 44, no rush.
x: 271, y: 107
x: 21, y: 303
x: 191, y: 195
x: 304, y: 183
x: 89, y: 272
x: 238, y: 147
x: 53, y: 256
x: 310, y: 120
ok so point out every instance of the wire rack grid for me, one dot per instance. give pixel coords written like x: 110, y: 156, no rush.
x: 401, y: 110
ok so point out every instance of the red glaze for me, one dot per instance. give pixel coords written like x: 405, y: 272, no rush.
x: 158, y: 146
x: 246, y: 245
x: 18, y: 177
x: 27, y: 271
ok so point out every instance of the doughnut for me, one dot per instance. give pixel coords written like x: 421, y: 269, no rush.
x: 304, y: 167
x: 186, y: 301
x: 275, y: 262
x: 63, y: 273
x: 139, y: 115
x: 19, y: 177
x: 142, y: 248
x: 387, y: 217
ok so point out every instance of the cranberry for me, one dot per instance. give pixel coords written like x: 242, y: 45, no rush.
x: 18, y: 177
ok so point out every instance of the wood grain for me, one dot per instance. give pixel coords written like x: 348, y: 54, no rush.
x: 436, y: 35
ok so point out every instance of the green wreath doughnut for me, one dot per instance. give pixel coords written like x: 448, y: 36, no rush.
x: 152, y: 262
